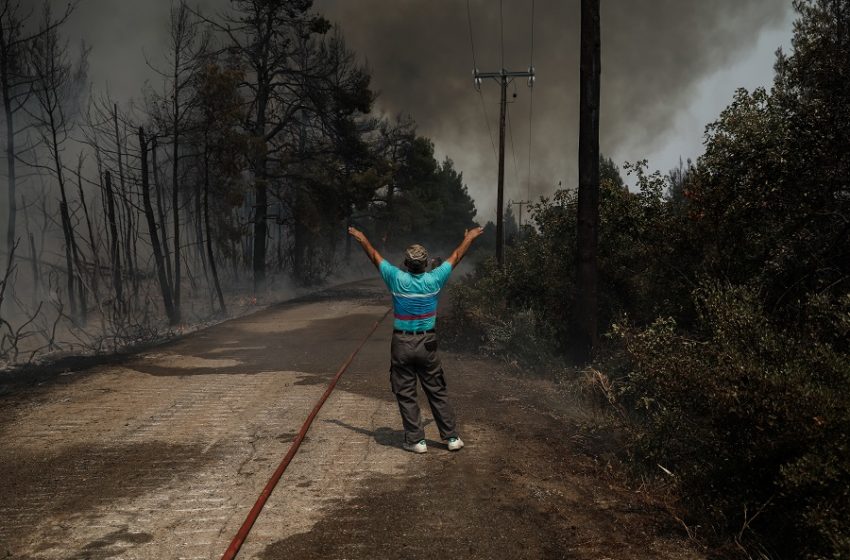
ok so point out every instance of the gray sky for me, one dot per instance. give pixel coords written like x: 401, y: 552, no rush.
x: 669, y: 67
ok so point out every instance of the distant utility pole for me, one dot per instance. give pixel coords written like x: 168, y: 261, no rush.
x: 504, y: 77
x: 520, y: 203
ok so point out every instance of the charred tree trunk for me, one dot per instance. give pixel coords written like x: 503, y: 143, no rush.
x: 260, y: 232
x: 92, y: 240
x: 65, y: 216
x: 300, y: 261
x: 586, y: 308
x: 128, y: 210
x: 175, y: 208
x: 114, y: 252
x: 35, y: 274
x: 80, y: 281
x: 209, y: 245
x: 69, y: 260
x: 10, y: 157
x: 166, y: 253
x: 260, y: 189
x: 199, y: 225
x: 152, y: 230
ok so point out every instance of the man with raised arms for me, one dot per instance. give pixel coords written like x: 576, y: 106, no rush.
x: 414, y: 356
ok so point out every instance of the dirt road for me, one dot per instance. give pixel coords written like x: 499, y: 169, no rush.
x: 161, y: 456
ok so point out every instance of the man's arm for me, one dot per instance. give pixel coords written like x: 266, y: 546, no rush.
x: 468, y: 237
x: 370, y: 251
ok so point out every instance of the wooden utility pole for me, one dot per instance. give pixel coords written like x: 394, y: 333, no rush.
x: 585, y: 326
x: 520, y: 203
x: 504, y: 77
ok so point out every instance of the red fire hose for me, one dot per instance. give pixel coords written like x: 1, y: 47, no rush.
x: 242, y: 534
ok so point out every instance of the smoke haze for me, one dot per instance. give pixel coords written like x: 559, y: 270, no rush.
x: 655, y: 53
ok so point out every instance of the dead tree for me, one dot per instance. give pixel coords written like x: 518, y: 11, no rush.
x: 152, y: 230
x: 166, y: 253
x: 585, y: 326
x: 16, y: 82
x: 93, y: 242
x: 208, y: 228
x: 102, y: 123
x: 173, y: 108
x: 114, y: 242
x: 57, y: 84
x: 126, y: 204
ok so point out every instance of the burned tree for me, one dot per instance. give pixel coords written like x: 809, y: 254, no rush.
x: 173, y: 109
x: 57, y: 86
x: 160, y: 208
x: 114, y: 241
x: 152, y: 231
x: 16, y: 82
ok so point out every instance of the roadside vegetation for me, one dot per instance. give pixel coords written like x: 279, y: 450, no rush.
x: 724, y: 290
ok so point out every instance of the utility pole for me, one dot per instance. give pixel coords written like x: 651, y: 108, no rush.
x: 587, y: 212
x: 520, y: 203
x: 504, y: 77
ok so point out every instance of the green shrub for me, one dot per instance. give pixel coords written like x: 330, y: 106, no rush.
x: 752, y: 419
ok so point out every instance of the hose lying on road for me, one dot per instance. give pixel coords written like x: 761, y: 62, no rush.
x: 242, y: 534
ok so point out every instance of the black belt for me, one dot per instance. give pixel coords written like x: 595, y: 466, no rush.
x: 429, y: 331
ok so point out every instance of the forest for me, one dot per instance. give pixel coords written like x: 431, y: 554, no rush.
x: 229, y: 179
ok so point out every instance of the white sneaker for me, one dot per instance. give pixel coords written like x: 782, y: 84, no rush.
x: 418, y: 447
x: 455, y: 443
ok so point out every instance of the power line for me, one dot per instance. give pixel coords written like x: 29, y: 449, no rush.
x: 532, y: 32
x: 475, y: 69
x: 487, y: 121
x: 471, y: 42
x: 530, y: 109
x: 502, y: 33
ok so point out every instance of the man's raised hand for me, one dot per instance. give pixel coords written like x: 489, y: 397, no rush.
x: 468, y: 237
x: 356, y: 234
x: 473, y: 233
x: 373, y: 255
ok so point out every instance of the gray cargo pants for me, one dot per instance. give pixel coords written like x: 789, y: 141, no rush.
x: 415, y: 355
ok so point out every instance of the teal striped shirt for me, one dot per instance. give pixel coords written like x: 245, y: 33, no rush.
x: 415, y: 296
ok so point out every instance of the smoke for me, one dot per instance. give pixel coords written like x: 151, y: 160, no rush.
x: 655, y: 53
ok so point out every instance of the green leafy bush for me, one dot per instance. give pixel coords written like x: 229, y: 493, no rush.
x: 752, y: 419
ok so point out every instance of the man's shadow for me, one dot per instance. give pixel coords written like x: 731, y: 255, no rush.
x: 383, y: 435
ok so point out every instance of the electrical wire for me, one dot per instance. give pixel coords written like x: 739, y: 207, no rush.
x: 475, y: 67
x: 471, y: 42
x: 532, y: 33
x: 487, y: 121
x: 530, y: 110
x: 502, y: 34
